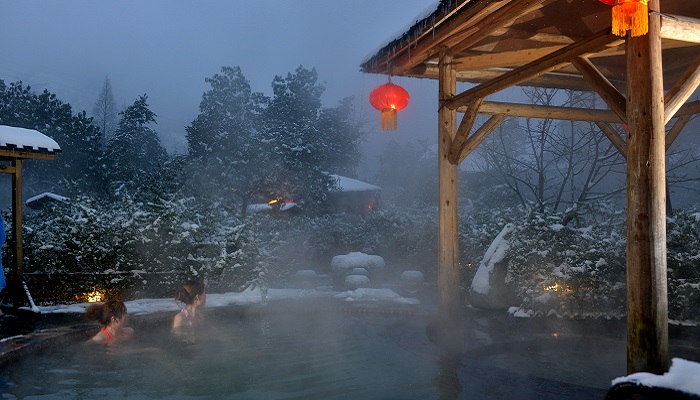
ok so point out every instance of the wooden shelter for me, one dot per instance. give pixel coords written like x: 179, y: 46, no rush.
x: 17, y: 145
x: 645, y: 81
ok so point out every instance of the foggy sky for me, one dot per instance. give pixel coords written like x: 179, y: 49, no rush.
x: 166, y: 48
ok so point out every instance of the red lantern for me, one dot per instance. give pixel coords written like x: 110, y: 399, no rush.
x: 608, y: 2
x: 389, y: 99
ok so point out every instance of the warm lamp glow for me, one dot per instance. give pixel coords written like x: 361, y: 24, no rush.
x: 94, y: 296
x: 389, y: 99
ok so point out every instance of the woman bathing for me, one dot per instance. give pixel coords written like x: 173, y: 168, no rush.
x: 114, y: 318
x: 192, y: 295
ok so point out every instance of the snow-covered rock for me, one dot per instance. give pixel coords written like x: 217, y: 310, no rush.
x: 488, y: 288
x: 412, y: 280
x: 305, y: 279
x: 353, y: 282
x: 343, y: 265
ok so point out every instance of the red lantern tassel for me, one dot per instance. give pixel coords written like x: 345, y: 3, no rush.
x: 630, y: 15
x: 389, y: 119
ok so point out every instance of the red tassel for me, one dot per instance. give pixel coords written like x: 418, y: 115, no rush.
x: 630, y: 15
x: 389, y: 119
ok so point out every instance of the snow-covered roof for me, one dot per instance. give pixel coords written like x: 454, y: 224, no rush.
x: 28, y: 140
x: 39, y: 200
x: 346, y: 184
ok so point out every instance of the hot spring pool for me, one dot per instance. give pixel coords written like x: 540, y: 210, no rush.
x: 288, y: 354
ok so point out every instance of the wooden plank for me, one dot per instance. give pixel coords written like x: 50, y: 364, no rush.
x: 683, y: 29
x: 612, y: 97
x: 414, y: 52
x: 682, y: 90
x: 647, y: 301
x: 504, y: 16
x: 548, y: 112
x: 448, y: 249
x: 463, y: 131
x: 676, y: 129
x: 613, y: 136
x: 479, y: 136
x: 539, y: 67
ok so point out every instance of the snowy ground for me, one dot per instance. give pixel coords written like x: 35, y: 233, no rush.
x: 248, y: 297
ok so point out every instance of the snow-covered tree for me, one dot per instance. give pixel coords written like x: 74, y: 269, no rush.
x: 307, y: 142
x: 79, y: 163
x: 135, y: 152
x: 226, y: 154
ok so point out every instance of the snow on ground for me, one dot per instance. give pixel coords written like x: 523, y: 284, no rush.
x: 248, y: 297
x: 682, y: 376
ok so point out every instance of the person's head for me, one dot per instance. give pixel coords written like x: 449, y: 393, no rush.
x: 192, y: 293
x: 108, y: 312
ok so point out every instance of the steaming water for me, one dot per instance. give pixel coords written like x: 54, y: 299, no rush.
x: 310, y: 354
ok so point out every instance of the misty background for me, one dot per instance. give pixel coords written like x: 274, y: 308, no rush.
x: 224, y: 104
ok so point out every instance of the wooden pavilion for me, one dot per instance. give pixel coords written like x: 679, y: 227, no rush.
x: 17, y: 145
x: 645, y: 81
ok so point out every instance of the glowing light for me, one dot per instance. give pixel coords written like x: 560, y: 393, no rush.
x: 94, y: 296
x: 554, y: 287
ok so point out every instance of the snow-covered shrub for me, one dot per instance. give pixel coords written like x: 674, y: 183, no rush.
x: 142, y: 248
x: 683, y: 250
x: 568, y: 270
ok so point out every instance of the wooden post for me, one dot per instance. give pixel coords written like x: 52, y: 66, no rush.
x: 15, y: 284
x: 448, y: 256
x: 647, y: 303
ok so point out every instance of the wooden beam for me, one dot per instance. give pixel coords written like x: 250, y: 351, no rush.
x: 506, y: 59
x: 18, y: 255
x: 613, y: 136
x: 538, y: 67
x: 547, y: 112
x: 683, y: 29
x: 676, y: 129
x: 479, y: 136
x: 9, y: 155
x: 647, y: 293
x: 550, y: 80
x: 463, y: 131
x: 612, y: 97
x: 682, y: 90
x: 448, y: 249
x: 7, y: 169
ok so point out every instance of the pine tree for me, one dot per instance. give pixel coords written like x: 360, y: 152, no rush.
x: 104, y: 112
x: 308, y: 142
x: 225, y: 150
x: 134, y: 153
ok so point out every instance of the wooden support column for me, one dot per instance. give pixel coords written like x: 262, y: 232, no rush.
x: 448, y: 256
x: 647, y: 303
x: 15, y: 283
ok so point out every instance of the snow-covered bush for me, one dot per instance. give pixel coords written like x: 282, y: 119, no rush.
x: 140, y: 248
x: 683, y: 248
x: 568, y: 269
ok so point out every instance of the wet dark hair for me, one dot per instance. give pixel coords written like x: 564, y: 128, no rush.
x: 189, y: 291
x: 103, y: 313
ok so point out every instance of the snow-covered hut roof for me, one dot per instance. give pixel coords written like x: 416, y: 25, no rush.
x: 346, y: 184
x: 26, y: 143
x: 38, y: 201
